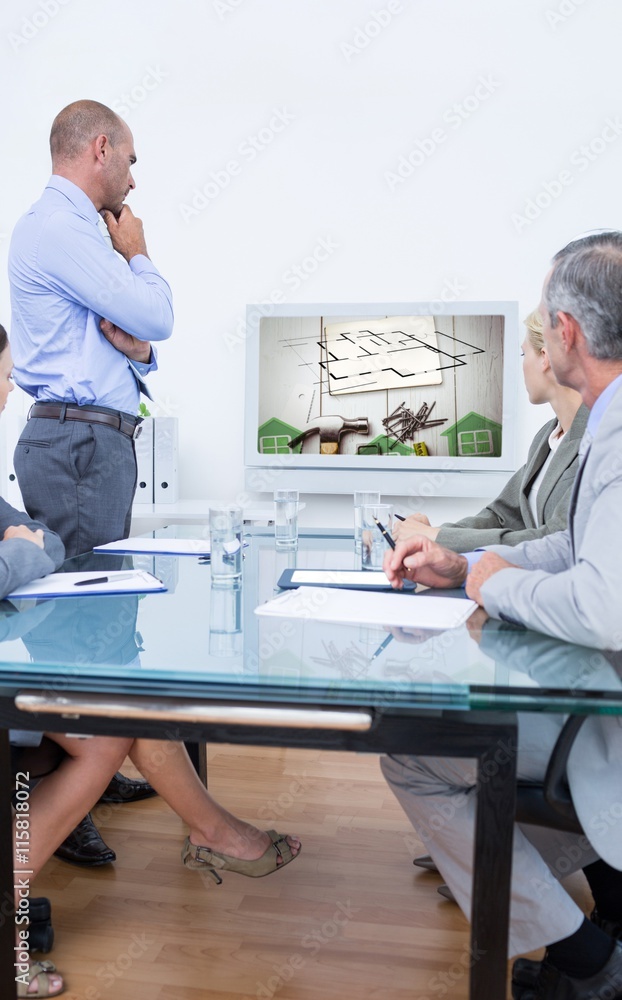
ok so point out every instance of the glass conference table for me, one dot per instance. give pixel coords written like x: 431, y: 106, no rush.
x: 196, y: 664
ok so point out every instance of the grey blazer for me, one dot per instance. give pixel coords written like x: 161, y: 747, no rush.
x: 22, y: 561
x: 594, y: 762
x: 574, y: 591
x: 508, y: 519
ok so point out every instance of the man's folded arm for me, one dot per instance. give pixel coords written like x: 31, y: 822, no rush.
x: 80, y: 265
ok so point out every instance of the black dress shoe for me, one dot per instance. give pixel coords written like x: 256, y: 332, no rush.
x: 84, y: 846
x: 551, y: 984
x: 40, y: 930
x: 122, y: 789
x: 525, y: 971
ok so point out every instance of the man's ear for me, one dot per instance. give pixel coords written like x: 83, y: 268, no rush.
x: 568, y: 330
x: 101, y: 148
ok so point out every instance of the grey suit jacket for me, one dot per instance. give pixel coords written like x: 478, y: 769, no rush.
x: 594, y: 773
x: 574, y: 589
x: 22, y: 561
x: 508, y: 519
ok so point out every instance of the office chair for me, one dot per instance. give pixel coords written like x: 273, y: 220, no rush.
x: 548, y: 804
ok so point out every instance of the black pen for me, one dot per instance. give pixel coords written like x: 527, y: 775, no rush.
x: 105, y: 579
x: 383, y: 645
x: 383, y: 531
x: 399, y: 517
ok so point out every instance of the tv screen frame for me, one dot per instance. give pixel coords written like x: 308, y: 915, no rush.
x: 427, y: 475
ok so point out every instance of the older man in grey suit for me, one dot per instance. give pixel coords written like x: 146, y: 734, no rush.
x: 565, y: 585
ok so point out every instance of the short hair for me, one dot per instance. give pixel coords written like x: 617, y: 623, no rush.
x: 586, y: 283
x: 78, y: 124
x: 534, y: 325
x: 4, y: 340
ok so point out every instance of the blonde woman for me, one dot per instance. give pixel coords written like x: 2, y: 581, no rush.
x: 535, y: 500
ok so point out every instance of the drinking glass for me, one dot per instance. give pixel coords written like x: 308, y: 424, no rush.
x: 225, y: 532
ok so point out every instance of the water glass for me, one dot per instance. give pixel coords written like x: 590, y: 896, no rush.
x: 374, y: 544
x: 225, y: 532
x: 225, y: 621
x: 361, y: 498
x: 286, y: 519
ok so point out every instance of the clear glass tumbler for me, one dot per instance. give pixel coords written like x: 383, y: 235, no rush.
x: 361, y: 497
x: 286, y: 519
x: 225, y: 532
x: 374, y: 544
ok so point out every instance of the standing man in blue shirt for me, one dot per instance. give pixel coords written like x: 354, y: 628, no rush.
x: 84, y: 313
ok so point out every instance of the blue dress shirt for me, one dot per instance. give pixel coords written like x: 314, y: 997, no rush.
x: 64, y: 278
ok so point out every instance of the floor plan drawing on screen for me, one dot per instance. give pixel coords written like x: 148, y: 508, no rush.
x: 399, y: 352
x: 399, y: 385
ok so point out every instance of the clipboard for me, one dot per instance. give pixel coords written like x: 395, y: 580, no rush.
x: 64, y: 585
x: 343, y: 579
x: 158, y: 547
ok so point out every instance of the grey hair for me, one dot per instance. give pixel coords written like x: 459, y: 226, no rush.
x: 586, y: 283
x: 78, y: 124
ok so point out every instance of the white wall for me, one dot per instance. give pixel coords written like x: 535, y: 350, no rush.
x: 353, y: 86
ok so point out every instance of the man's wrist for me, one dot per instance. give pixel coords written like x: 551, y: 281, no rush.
x: 145, y: 354
x: 463, y: 570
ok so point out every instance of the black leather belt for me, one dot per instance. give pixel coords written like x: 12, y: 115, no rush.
x: 128, y: 425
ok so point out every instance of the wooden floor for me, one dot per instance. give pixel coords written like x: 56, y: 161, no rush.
x: 351, y: 917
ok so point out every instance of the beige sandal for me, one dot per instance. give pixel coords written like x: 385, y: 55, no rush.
x: 194, y: 856
x: 40, y: 971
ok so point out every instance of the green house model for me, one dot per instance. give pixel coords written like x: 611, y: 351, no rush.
x: 474, y: 435
x: 383, y: 445
x: 274, y: 436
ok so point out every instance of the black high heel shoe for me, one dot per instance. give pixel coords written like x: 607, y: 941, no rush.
x: 40, y: 931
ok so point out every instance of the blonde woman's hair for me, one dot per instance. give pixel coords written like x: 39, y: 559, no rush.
x: 533, y: 322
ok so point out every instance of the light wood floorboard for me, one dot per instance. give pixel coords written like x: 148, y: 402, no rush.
x: 350, y: 918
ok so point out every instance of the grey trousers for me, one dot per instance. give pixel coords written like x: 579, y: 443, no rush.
x: 439, y: 797
x: 79, y: 479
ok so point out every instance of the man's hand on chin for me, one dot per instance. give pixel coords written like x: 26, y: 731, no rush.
x: 132, y: 347
x: 487, y: 566
x: 423, y: 561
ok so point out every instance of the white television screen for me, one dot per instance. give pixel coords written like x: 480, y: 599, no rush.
x: 399, y: 388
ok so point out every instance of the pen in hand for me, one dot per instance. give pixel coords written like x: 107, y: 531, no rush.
x: 383, y: 531
x: 400, y: 518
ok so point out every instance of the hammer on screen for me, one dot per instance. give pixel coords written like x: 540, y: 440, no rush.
x: 330, y: 430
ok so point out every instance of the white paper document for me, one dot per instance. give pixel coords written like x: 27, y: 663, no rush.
x: 134, y: 581
x: 352, y: 607
x: 342, y: 577
x: 159, y: 546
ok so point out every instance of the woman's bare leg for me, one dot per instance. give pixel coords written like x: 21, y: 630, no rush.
x: 169, y: 769
x: 62, y: 799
